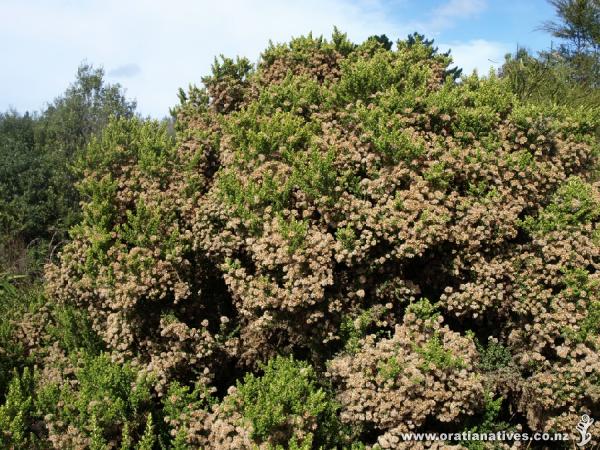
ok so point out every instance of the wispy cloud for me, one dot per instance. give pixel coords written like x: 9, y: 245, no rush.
x: 125, y: 71
x: 449, y: 14
x: 459, y: 9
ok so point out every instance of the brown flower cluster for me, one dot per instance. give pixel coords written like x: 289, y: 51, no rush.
x: 424, y: 371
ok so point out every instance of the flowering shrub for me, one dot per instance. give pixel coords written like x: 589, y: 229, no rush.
x: 405, y: 234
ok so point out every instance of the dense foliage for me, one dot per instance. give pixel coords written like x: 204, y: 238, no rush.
x: 344, y: 243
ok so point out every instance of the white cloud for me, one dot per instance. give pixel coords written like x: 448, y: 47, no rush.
x: 125, y: 71
x: 477, y: 54
x: 459, y: 8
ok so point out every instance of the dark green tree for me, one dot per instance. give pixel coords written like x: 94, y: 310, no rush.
x: 579, y: 24
x: 383, y: 40
x: 417, y: 38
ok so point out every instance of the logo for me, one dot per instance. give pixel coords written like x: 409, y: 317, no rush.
x: 584, y: 424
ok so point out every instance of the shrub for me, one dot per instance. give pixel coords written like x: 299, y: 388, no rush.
x: 286, y: 400
x: 16, y: 412
x: 104, y: 403
x: 305, y: 206
x: 285, y: 407
x: 17, y: 332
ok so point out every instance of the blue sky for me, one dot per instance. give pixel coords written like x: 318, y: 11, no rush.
x: 153, y: 47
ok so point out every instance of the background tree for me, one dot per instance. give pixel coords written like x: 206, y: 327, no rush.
x: 82, y: 112
x: 38, y: 199
x: 569, y: 73
x: 579, y: 31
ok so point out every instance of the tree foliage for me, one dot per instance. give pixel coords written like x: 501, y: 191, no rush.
x: 568, y: 73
